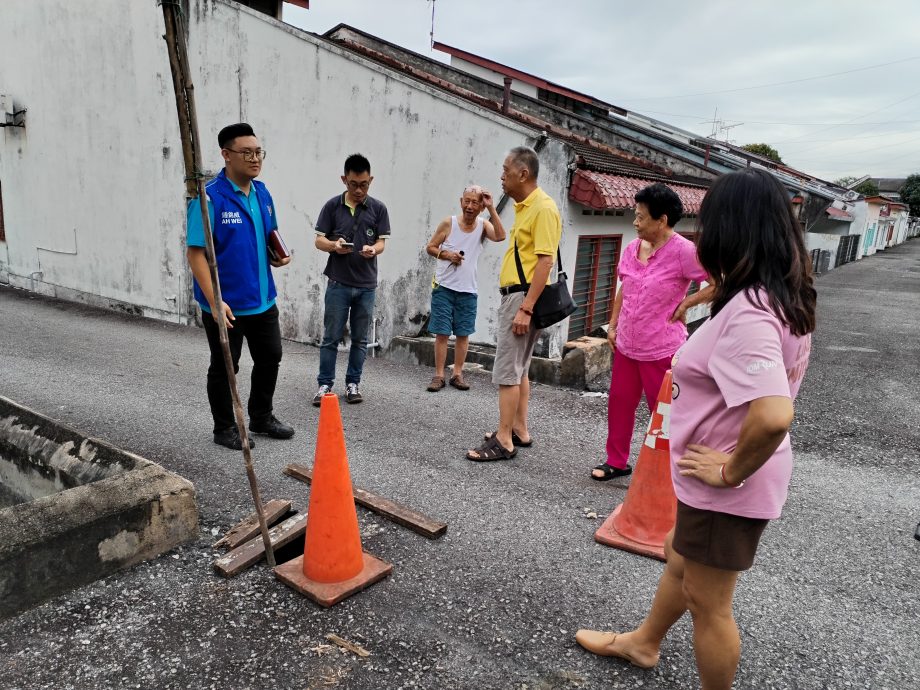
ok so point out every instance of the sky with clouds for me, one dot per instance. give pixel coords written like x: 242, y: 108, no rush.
x: 752, y: 62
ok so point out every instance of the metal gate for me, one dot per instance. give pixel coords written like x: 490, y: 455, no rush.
x: 846, y: 251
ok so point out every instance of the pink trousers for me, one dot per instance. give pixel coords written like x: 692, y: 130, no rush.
x: 628, y: 379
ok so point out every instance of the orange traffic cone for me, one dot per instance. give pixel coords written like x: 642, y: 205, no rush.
x: 641, y: 522
x: 333, y: 566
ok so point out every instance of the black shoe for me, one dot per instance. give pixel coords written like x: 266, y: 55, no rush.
x: 230, y: 438
x: 272, y: 427
x: 352, y: 394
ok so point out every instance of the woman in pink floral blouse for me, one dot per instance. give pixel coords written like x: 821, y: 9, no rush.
x: 647, y: 322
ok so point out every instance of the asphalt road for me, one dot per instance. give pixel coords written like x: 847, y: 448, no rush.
x: 832, y: 601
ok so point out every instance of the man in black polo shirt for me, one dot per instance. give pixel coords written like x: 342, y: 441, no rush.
x: 352, y: 227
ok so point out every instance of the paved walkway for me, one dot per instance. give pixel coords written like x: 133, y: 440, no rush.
x: 831, y: 603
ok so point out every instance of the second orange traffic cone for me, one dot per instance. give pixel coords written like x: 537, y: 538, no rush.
x: 334, y: 566
x: 641, y: 522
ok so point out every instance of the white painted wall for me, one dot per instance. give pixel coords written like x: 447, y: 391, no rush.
x: 102, y: 145
x: 92, y: 187
x: 816, y: 240
x: 517, y: 85
x: 901, y: 225
x: 859, y: 211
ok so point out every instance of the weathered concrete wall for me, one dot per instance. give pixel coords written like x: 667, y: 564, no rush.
x: 830, y: 243
x: 113, y: 509
x: 93, y: 186
x: 90, y: 184
x: 114, y: 233
x: 313, y: 103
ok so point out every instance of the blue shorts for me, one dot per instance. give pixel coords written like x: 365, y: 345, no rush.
x: 452, y: 312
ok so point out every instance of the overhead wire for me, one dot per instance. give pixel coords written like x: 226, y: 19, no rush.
x: 859, y: 117
x: 780, y: 83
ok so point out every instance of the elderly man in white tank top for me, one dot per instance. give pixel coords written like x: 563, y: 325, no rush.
x: 456, y: 245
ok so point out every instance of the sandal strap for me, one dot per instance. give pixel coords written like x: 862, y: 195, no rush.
x: 492, y: 450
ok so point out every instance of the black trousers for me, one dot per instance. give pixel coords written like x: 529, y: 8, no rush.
x: 263, y: 335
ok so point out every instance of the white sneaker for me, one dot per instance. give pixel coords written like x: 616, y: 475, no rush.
x: 318, y: 398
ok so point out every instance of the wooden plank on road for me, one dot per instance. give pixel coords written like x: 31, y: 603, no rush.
x: 248, y: 528
x: 399, y: 514
x: 253, y: 551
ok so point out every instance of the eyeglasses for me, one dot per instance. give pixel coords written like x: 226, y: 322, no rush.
x: 355, y: 186
x: 250, y: 156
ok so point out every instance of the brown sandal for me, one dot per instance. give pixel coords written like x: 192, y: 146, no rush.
x: 515, y: 439
x: 457, y: 382
x: 437, y: 383
x: 491, y: 450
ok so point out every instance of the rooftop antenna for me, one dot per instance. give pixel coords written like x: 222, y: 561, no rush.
x: 431, y: 35
x: 724, y: 128
x: 714, y: 122
x: 719, y: 128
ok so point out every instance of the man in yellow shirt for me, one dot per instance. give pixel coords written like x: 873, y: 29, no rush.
x: 536, y: 233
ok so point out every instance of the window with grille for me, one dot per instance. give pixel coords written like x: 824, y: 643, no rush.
x: 595, y: 283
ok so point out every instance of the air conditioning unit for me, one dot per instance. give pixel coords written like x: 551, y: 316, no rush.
x: 849, y: 196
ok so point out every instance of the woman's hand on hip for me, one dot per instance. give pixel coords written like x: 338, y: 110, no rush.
x: 680, y: 314
x: 704, y: 464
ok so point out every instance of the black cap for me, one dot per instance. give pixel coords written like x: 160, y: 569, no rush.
x: 231, y: 132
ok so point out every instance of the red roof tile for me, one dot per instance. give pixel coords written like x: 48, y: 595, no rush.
x: 603, y: 191
x: 838, y: 214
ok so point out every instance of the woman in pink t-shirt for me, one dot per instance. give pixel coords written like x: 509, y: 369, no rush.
x: 647, y: 320
x: 734, y: 383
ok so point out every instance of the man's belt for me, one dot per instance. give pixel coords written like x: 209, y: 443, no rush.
x: 508, y: 289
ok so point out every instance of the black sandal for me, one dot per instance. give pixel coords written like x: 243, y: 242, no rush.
x: 515, y: 439
x: 611, y: 472
x: 491, y: 450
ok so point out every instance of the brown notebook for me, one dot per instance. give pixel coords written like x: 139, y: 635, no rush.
x: 276, y: 246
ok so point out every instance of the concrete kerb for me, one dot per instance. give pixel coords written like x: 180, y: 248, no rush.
x: 97, y: 509
x: 583, y: 362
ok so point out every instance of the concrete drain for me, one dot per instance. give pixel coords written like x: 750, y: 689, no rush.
x: 74, y: 509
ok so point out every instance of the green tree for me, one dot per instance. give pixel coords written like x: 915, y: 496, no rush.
x: 764, y: 150
x: 869, y: 188
x: 846, y: 181
x: 910, y: 193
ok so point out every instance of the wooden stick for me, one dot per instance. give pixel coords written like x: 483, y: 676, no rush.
x: 391, y: 510
x: 248, y: 528
x: 250, y: 553
x: 178, y: 59
x: 350, y: 646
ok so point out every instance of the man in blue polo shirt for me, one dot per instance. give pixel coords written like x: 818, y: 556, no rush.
x: 352, y: 228
x: 242, y: 215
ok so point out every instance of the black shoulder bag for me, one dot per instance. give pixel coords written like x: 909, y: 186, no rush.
x: 554, y: 303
